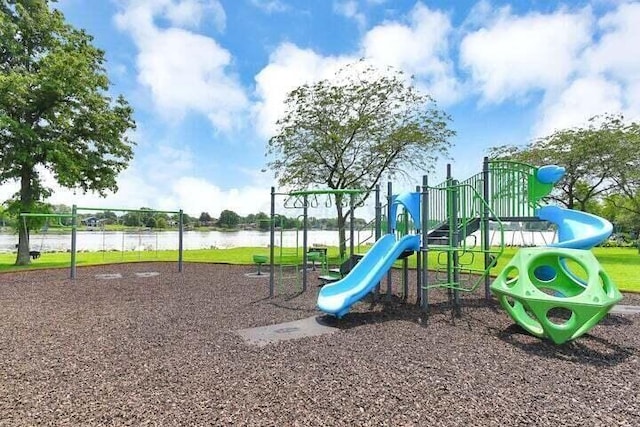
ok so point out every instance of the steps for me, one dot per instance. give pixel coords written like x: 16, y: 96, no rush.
x: 440, y: 235
x: 336, y: 274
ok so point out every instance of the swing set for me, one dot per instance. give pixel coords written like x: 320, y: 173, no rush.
x: 313, y: 198
x: 33, y: 253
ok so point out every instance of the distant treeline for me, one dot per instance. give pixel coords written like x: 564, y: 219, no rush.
x: 147, y: 217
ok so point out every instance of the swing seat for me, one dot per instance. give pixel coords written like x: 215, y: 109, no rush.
x: 34, y: 254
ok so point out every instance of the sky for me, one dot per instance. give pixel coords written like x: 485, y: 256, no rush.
x: 207, y: 80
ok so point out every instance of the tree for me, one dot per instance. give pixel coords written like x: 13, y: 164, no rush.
x: 132, y: 219
x: 205, y: 218
x: 228, y: 219
x: 55, y: 113
x: 150, y: 222
x: 596, y: 158
x: 625, y: 139
x: 3, y: 216
x: 186, y: 219
x: 110, y: 217
x: 620, y: 211
x: 263, y: 221
x: 349, y: 131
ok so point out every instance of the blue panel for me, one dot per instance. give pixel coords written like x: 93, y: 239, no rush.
x: 411, y: 202
x: 550, y: 174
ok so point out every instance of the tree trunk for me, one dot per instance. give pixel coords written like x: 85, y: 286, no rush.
x: 23, y: 231
x: 23, y: 245
x: 342, y: 239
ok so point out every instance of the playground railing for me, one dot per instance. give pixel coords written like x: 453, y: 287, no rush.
x: 473, y: 205
x: 509, y: 189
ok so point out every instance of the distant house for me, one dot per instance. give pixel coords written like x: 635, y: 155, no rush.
x: 92, y: 221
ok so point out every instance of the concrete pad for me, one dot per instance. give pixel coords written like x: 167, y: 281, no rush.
x: 625, y: 309
x: 257, y: 276
x: 108, y: 276
x: 263, y: 335
x: 148, y: 274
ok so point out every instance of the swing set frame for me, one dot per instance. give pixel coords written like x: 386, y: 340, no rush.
x: 24, y: 215
x: 74, y: 226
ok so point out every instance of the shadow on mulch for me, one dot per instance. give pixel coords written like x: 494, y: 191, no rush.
x: 588, y: 350
x: 616, y: 320
x: 381, y: 310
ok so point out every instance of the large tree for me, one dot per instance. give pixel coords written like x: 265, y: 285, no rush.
x: 228, y: 219
x: 55, y: 111
x: 599, y: 159
x: 349, y: 131
x: 624, y: 138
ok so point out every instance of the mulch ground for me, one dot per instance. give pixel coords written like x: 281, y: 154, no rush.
x: 162, y: 350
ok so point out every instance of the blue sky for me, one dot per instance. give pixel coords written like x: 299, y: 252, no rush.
x: 207, y: 79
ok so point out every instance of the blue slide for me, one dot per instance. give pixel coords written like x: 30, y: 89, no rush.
x: 337, y: 298
x: 576, y: 229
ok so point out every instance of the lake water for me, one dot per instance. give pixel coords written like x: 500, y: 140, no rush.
x: 146, y: 240
x: 150, y: 240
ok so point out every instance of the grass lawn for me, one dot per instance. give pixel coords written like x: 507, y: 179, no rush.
x: 622, y: 264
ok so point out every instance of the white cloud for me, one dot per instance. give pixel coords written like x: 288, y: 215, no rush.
x: 289, y: 67
x: 608, y: 80
x: 582, y: 99
x: 618, y: 51
x: 270, y: 6
x: 419, y: 48
x: 189, y: 13
x: 515, y: 55
x: 184, y: 71
x: 179, y: 13
x: 203, y: 196
x: 166, y: 186
x: 349, y: 9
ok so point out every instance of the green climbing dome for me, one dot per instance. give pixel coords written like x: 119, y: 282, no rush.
x: 555, y: 293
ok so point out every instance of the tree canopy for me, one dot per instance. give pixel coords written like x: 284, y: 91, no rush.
x: 601, y: 160
x: 349, y: 131
x: 55, y: 110
x: 228, y: 219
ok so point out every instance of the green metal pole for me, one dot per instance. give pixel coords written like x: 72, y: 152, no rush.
x: 127, y: 210
x: 305, y: 226
x: 450, y: 219
x: 180, y: 240
x: 272, y: 241
x: 485, y: 226
x: 455, y: 243
x: 389, y: 230
x: 378, y: 207
x: 405, y: 261
x: 424, y: 300
x: 352, y: 220
x: 74, y: 235
x: 378, y: 226
x: 418, y: 225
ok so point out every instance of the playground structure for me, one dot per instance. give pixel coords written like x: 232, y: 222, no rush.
x: 279, y: 260
x: 74, y: 228
x: 535, y: 285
